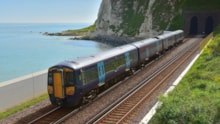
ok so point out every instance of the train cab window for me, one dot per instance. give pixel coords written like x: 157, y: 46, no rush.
x: 69, y: 78
x: 50, y: 78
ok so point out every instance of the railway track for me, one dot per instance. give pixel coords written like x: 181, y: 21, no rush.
x: 123, y: 110
x: 55, y: 116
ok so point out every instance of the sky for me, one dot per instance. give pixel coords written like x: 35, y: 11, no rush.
x: 49, y: 11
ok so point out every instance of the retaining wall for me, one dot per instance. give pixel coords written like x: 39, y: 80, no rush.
x: 20, y: 90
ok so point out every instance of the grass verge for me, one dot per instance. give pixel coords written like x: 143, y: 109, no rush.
x: 196, y: 100
x: 22, y: 106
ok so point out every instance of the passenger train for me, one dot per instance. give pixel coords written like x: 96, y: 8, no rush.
x: 75, y: 82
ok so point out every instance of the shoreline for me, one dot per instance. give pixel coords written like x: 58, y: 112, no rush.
x: 106, y: 39
x: 88, y: 33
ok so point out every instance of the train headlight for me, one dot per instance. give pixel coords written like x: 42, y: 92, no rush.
x: 70, y: 90
x: 50, y: 89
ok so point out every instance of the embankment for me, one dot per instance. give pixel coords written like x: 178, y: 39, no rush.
x: 20, y: 90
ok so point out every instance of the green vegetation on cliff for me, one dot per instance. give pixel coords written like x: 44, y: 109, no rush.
x: 196, y: 100
x: 201, y: 5
x: 171, y: 13
x: 132, y: 18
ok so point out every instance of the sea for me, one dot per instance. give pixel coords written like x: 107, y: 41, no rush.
x: 25, y: 50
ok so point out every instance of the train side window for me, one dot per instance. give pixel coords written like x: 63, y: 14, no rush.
x: 89, y: 74
x: 109, y: 65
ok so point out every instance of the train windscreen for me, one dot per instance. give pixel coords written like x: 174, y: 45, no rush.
x: 61, y: 82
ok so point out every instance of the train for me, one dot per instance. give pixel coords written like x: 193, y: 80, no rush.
x: 79, y: 81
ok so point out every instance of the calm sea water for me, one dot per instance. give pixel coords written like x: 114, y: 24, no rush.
x: 24, y: 50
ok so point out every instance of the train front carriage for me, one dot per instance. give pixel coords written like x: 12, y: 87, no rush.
x: 62, y: 85
x: 79, y: 81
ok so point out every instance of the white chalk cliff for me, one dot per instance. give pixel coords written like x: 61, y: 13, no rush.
x: 134, y: 18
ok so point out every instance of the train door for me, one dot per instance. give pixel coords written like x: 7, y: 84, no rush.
x: 101, y: 73
x: 147, y: 53
x: 158, y: 47
x: 58, y: 84
x: 127, y: 60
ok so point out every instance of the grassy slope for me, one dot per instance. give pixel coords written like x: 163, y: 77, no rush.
x: 22, y: 106
x: 196, y: 100
x: 78, y: 32
x: 81, y: 32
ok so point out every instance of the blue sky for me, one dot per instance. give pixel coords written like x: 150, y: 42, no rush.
x: 49, y: 11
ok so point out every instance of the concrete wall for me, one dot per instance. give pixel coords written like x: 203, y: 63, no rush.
x: 19, y: 90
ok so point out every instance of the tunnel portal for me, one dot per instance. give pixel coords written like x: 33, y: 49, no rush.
x: 209, y: 25
x: 194, y: 25
x: 200, y: 22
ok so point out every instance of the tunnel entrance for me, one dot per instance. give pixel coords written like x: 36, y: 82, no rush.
x: 194, y: 26
x: 200, y: 22
x: 209, y: 25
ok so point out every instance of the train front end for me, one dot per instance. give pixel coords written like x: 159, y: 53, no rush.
x: 62, y: 86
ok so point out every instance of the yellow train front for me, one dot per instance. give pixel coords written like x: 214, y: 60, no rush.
x: 61, y: 86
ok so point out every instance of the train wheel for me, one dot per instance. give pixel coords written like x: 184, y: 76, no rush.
x: 90, y: 96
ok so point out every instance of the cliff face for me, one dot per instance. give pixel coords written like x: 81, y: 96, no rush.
x: 135, y: 18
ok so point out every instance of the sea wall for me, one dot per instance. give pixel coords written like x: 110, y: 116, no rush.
x: 20, y: 90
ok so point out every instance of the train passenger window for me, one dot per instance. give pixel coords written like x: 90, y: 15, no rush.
x: 109, y: 65
x: 89, y: 74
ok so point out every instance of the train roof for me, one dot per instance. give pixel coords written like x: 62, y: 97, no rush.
x: 145, y: 42
x: 178, y: 31
x: 169, y: 34
x: 164, y: 36
x: 85, y: 61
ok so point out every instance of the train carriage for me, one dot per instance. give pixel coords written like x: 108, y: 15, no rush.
x: 148, y: 48
x: 179, y: 35
x: 167, y: 39
x: 170, y: 39
x: 79, y: 80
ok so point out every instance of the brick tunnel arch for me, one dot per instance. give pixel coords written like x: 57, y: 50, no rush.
x: 193, y: 26
x: 209, y: 25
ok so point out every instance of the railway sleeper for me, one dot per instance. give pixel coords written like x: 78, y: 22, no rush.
x: 112, y: 119
x: 107, y: 122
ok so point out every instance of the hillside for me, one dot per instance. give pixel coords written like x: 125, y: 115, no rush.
x: 138, y: 19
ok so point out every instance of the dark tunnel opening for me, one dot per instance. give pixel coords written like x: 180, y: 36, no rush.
x: 209, y: 25
x: 194, y: 26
